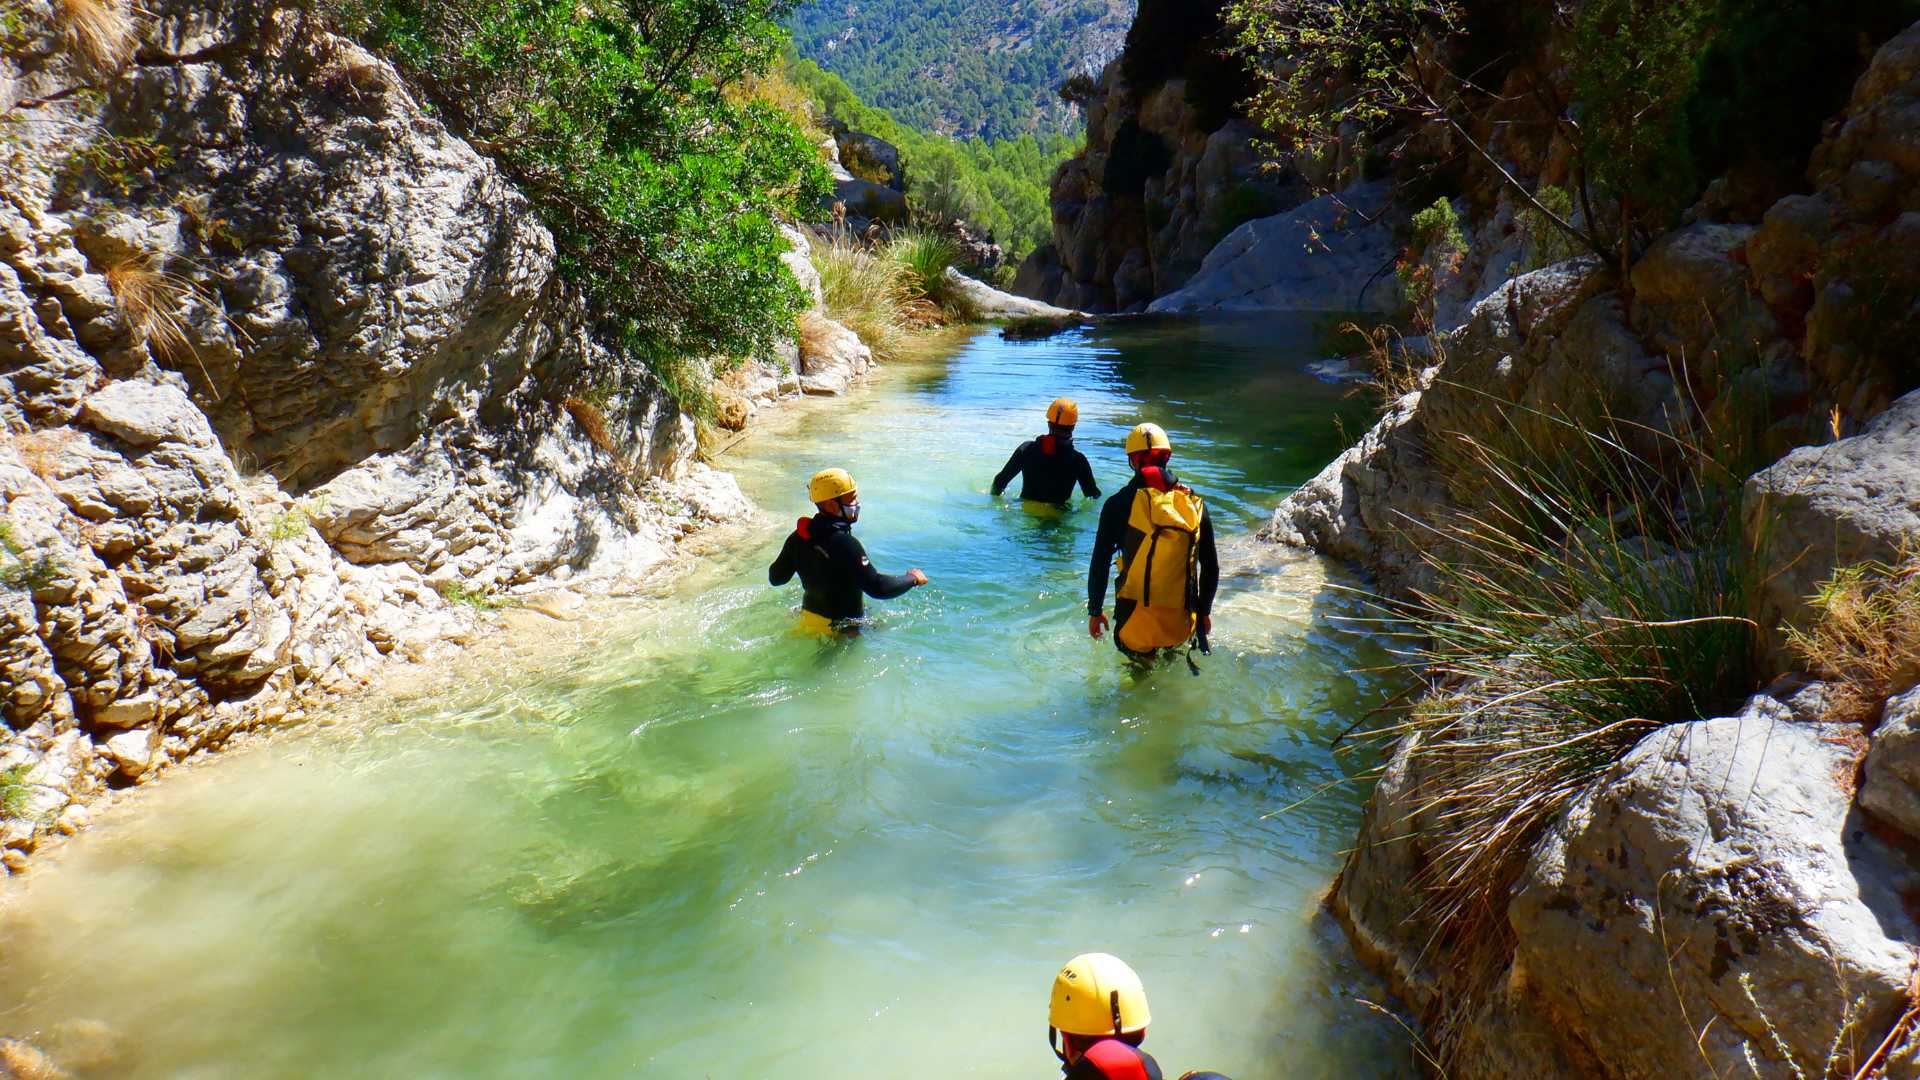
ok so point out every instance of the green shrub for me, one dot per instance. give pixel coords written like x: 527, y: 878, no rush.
x: 1546, y: 243
x: 19, y: 572
x: 621, y: 122
x: 15, y: 792
x: 926, y: 256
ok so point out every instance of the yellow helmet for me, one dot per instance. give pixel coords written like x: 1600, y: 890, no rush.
x: 829, y: 484
x: 1147, y: 437
x: 1098, y: 994
x: 1064, y: 412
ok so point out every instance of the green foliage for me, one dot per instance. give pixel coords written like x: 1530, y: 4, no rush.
x: 1328, y: 69
x: 121, y: 162
x: 1635, y: 65
x: 456, y: 592
x: 1546, y: 243
x: 1437, y: 229
x: 926, y: 256
x: 1775, y: 71
x: 1000, y: 187
x: 961, y: 67
x: 616, y: 118
x: 19, y: 572
x: 1437, y: 247
x: 15, y: 792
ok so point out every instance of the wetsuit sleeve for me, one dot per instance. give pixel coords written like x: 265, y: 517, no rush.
x: 872, y: 582
x: 1087, y: 485
x: 1014, y: 465
x: 1106, y: 540
x: 1209, y: 565
x: 781, y: 571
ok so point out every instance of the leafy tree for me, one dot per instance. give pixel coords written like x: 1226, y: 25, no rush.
x: 615, y: 117
x: 1000, y: 187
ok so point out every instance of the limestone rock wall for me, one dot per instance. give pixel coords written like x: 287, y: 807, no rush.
x: 1735, y: 896
x: 1169, y: 169
x: 282, y: 361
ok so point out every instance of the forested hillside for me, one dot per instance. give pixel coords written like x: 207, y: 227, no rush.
x: 997, y: 186
x: 965, y: 67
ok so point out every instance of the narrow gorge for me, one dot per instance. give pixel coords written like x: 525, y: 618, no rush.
x: 398, y: 412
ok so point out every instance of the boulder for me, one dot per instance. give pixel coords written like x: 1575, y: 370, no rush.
x: 1890, y: 784
x: 1721, y: 880
x: 871, y: 158
x: 831, y: 357
x: 1324, y: 255
x: 988, y: 302
x: 1825, y: 507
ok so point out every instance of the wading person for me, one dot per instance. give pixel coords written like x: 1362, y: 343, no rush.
x: 1166, y: 568
x: 833, y: 567
x: 1049, y: 466
x: 1097, y: 1020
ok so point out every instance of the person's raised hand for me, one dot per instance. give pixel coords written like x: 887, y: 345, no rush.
x: 1096, y: 626
x: 918, y: 575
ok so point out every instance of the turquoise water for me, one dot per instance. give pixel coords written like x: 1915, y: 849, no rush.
x: 706, y: 846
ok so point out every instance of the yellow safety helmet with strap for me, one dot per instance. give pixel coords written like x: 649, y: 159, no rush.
x: 1147, y: 437
x: 829, y: 484
x: 1097, y: 994
x: 1063, y: 412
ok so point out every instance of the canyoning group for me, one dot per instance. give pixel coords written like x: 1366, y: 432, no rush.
x: 1159, y: 537
x: 1155, y: 530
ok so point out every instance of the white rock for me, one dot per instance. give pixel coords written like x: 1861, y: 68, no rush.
x: 1320, y: 256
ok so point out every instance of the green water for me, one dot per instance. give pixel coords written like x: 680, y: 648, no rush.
x: 709, y: 847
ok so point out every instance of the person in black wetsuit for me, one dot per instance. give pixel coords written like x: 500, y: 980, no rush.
x: 1186, y: 577
x: 1049, y: 464
x: 1097, y: 1019
x: 833, y: 567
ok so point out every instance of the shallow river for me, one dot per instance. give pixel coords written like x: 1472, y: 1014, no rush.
x: 710, y: 847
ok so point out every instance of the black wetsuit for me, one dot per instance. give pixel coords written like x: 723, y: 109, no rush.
x: 1115, y: 535
x: 833, y: 569
x: 1050, y: 467
x: 1111, y: 1059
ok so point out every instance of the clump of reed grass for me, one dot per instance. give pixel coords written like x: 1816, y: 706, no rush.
x: 1865, y: 638
x: 98, y: 34
x: 926, y: 256
x: 1590, y: 594
x: 870, y: 292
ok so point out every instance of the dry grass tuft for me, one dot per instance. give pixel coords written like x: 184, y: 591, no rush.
x: 99, y: 34
x: 1866, y: 639
x: 40, y: 450
x: 1589, y: 596
x: 155, y: 303
x: 871, y: 294
x: 1393, y: 371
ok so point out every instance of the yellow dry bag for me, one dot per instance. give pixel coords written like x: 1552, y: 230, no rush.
x: 1162, y: 576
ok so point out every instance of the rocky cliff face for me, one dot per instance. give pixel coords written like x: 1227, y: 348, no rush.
x: 1735, y: 895
x: 1169, y: 169
x: 282, y: 364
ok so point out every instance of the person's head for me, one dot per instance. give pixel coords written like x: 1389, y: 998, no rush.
x: 1095, y: 996
x: 1148, y: 445
x: 832, y: 490
x: 1062, y: 415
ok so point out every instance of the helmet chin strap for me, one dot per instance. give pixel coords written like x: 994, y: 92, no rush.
x: 1053, y: 1043
x: 1113, y: 1001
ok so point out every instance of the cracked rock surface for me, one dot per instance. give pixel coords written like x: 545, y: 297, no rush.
x: 281, y: 361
